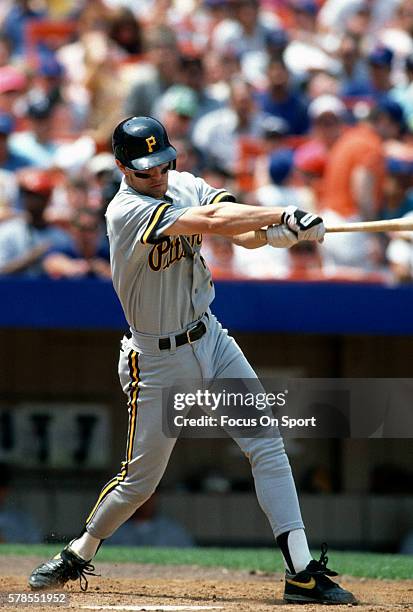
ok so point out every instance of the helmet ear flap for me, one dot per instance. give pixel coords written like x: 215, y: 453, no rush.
x: 172, y: 164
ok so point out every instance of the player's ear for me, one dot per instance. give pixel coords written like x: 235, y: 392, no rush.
x: 121, y: 167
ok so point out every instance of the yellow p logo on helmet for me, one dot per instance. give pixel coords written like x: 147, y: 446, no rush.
x: 151, y: 142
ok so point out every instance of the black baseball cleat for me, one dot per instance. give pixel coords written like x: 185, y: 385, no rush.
x: 312, y: 585
x: 59, y: 570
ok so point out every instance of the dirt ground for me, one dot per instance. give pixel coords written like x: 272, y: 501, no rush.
x: 154, y: 587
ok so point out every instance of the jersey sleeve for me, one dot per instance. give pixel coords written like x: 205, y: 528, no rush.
x: 211, y: 195
x: 163, y: 216
x: 130, y: 225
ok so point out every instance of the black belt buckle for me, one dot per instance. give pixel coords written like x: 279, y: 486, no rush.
x: 190, y: 336
x: 189, y: 331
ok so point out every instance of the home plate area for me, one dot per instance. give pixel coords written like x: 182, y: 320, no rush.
x: 156, y: 607
x: 128, y: 586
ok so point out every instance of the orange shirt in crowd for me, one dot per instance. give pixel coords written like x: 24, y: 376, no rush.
x: 358, y: 146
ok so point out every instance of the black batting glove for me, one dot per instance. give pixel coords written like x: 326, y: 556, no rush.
x: 305, y: 225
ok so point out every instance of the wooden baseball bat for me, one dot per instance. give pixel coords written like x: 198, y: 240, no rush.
x: 391, y: 225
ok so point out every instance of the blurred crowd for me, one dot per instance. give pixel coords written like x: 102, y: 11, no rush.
x: 304, y: 102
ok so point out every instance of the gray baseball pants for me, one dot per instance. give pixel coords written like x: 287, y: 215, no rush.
x: 144, y: 370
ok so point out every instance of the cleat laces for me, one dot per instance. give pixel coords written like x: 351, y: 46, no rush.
x: 320, y: 566
x: 81, y: 573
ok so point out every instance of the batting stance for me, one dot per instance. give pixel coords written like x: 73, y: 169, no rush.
x: 155, y: 225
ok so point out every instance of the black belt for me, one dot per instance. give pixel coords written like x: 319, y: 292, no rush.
x: 191, y: 335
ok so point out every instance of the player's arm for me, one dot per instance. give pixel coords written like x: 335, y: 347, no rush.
x: 246, y: 224
x: 225, y: 218
x: 251, y: 240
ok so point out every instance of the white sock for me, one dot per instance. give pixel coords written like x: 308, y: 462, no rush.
x: 298, y: 549
x: 85, y: 547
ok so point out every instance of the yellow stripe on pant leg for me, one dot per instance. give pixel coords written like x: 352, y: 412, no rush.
x: 134, y: 370
x: 134, y: 402
x: 107, y: 489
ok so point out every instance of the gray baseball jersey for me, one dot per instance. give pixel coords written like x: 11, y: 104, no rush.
x: 152, y: 273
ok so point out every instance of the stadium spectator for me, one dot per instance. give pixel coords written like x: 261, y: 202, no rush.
x: 100, y: 170
x: 5, y: 50
x: 15, y: 22
x: 246, y: 30
x: 8, y: 195
x: 399, y: 253
x: 104, y: 101
x: 37, y: 143
x: 327, y: 115
x: 272, y: 138
x: 336, y: 15
x: 305, y: 262
x: 188, y: 159
x: 26, y: 239
x: 216, y: 135
x: 355, y: 171
x: 125, y: 31
x: 304, y: 18
x: 280, y: 192
x: 310, y: 160
x: 353, y: 66
x: 89, y: 63
x: 177, y: 108
x: 354, y: 181
x: 305, y: 54
x: 379, y: 81
x: 403, y: 93
x: 254, y: 64
x: 153, y: 77
x: 88, y: 253
x: 220, y: 70
x: 218, y: 177
x: 399, y: 30
x: 212, y: 71
x: 380, y: 63
x: 48, y: 81
x: 321, y: 82
x: 282, y: 100
x: 68, y: 197
x: 12, y: 85
x: 192, y: 75
x: 198, y: 25
x: 219, y: 253
x: 398, y: 188
x: 8, y: 159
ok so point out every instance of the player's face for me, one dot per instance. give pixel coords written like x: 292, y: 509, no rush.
x: 152, y: 182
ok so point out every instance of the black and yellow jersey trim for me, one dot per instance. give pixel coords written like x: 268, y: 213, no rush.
x: 223, y: 196
x: 133, y: 404
x: 153, y: 223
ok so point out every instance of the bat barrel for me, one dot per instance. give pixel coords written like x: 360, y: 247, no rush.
x: 391, y: 225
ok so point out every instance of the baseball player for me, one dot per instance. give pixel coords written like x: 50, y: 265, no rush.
x: 155, y: 225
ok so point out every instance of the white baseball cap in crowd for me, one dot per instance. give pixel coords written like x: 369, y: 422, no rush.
x: 324, y: 104
x: 102, y: 162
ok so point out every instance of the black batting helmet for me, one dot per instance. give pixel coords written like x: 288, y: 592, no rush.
x: 140, y: 143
